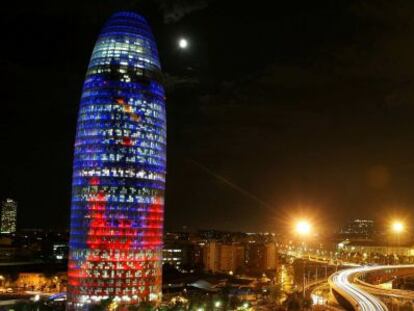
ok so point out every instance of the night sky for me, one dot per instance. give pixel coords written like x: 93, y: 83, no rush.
x: 299, y: 107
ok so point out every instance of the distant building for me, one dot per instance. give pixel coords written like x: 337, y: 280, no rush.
x: 231, y: 257
x: 221, y: 236
x: 177, y: 236
x: 173, y: 256
x: 211, y: 256
x: 60, y: 252
x: 183, y: 251
x: 8, y: 216
x: 271, y: 258
x: 261, y: 257
x: 183, y: 256
x: 368, y: 249
x: 362, y: 229
x: 220, y: 257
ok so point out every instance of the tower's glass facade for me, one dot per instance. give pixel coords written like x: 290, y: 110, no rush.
x: 119, y: 170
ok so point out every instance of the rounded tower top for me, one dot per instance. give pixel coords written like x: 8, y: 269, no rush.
x: 128, y: 14
x: 129, y: 22
x: 129, y: 31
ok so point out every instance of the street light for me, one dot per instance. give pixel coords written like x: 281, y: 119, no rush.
x: 397, y: 227
x: 303, y: 228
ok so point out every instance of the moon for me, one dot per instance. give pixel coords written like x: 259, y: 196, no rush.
x: 183, y: 43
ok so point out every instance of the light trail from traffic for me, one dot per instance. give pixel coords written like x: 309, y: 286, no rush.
x: 357, y: 294
x: 360, y: 299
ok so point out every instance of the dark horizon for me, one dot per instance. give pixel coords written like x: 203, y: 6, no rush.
x: 303, y: 110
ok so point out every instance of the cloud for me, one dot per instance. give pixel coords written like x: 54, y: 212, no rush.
x: 174, y: 10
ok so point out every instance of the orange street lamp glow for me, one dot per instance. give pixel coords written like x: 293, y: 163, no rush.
x: 398, y: 227
x: 303, y: 227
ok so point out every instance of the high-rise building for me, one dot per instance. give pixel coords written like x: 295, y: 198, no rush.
x: 119, y: 170
x: 231, y: 257
x: 222, y: 257
x: 8, y: 216
x: 272, y: 257
x: 362, y: 229
x: 211, y: 253
x: 261, y: 257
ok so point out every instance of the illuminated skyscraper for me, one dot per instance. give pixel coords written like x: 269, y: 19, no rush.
x: 361, y: 229
x: 8, y: 216
x: 119, y: 170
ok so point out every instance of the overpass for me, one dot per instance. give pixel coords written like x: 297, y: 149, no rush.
x: 354, y: 294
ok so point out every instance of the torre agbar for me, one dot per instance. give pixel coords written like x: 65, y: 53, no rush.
x: 119, y: 171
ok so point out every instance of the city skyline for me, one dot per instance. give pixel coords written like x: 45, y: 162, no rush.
x: 289, y: 176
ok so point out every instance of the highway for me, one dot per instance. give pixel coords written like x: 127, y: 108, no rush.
x: 377, y: 290
x: 359, y: 293
x: 360, y: 300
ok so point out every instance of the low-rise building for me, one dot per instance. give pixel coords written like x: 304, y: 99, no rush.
x: 368, y: 249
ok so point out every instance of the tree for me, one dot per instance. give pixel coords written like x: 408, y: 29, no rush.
x: 293, y: 302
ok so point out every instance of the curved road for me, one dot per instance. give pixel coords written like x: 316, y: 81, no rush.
x: 360, y: 299
x: 357, y: 294
x: 378, y: 291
